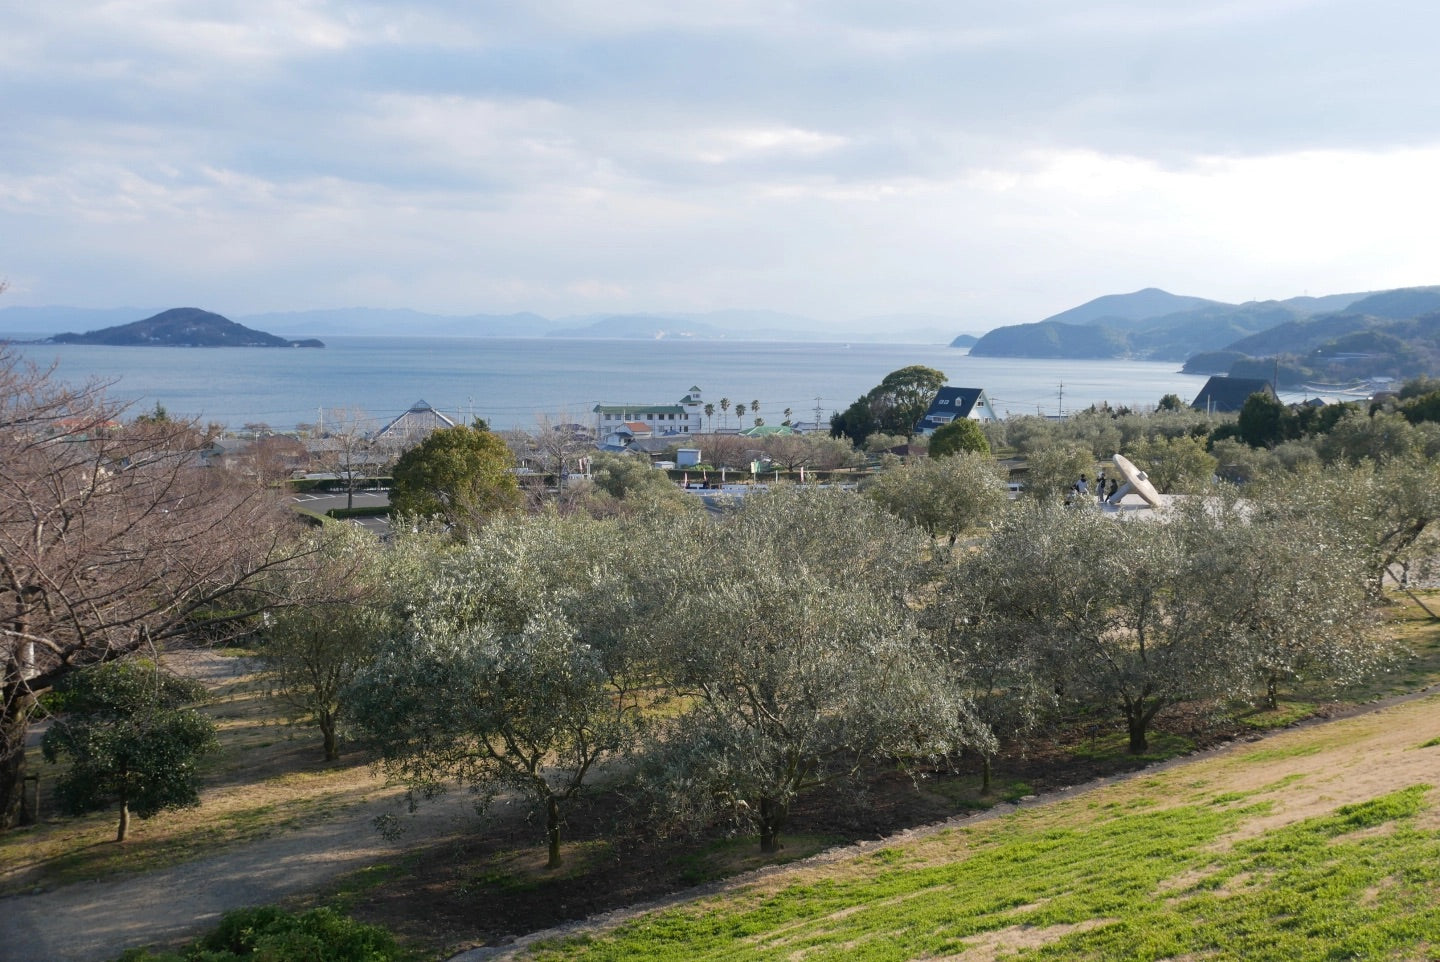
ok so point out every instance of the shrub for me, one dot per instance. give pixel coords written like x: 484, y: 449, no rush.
x: 269, y: 934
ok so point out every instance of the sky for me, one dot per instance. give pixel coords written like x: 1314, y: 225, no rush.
x: 987, y: 162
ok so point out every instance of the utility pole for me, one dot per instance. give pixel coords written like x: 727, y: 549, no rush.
x: 818, y: 411
x: 1062, y: 399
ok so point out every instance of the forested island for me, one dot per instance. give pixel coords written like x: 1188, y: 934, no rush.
x: 182, y: 327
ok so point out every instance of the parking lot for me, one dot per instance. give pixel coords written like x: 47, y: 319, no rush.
x: 322, y: 501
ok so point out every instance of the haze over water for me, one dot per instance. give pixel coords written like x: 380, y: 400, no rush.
x: 512, y: 381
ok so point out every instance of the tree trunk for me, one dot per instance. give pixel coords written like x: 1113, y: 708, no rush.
x: 1137, y: 719
x: 327, y: 731
x: 124, y: 822
x: 984, y: 774
x: 552, y: 831
x: 772, y: 819
x: 14, y: 726
x: 1138, y: 741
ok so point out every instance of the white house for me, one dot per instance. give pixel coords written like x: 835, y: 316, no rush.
x: 686, y: 416
x: 953, y: 403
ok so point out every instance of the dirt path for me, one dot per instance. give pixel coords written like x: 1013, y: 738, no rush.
x: 96, y: 921
x: 92, y: 922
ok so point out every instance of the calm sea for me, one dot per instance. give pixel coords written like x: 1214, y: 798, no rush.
x: 513, y: 381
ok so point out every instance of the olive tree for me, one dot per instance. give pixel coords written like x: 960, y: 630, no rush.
x: 1112, y: 609
x: 314, y: 651
x: 803, y: 665
x: 1008, y: 685
x: 1380, y: 511
x: 1050, y: 472
x: 628, y: 484
x: 942, y: 496
x: 1358, y: 436
x: 1174, y: 465
x: 515, y: 670
x: 1285, y: 596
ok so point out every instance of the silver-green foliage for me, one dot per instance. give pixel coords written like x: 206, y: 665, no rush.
x: 800, y: 661
x: 1380, y: 511
x: 1178, y: 465
x: 315, y: 651
x: 1051, y: 471
x: 514, y: 672
x: 1220, y: 599
x: 943, y: 496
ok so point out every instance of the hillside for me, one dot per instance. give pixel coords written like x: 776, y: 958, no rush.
x: 1336, y: 348
x: 1334, y: 338
x: 1120, y: 310
x: 1320, y: 843
x: 1176, y: 337
x: 181, y: 327
x: 1052, y: 339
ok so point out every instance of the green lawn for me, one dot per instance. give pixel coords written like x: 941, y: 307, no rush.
x: 1322, y: 844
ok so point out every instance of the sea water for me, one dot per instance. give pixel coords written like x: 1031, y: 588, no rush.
x: 514, y: 382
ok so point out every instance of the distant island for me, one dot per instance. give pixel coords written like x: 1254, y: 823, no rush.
x: 1336, y: 339
x: 181, y: 327
x: 732, y: 325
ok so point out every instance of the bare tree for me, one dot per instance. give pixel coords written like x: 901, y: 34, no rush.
x: 560, y: 443
x: 113, y: 538
x: 795, y: 451
x: 346, y: 450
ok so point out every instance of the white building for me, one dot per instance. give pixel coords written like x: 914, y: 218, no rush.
x: 687, y: 416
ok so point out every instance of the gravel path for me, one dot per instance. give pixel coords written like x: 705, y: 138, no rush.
x: 95, y: 921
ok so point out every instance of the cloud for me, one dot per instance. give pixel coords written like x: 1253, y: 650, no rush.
x: 834, y: 158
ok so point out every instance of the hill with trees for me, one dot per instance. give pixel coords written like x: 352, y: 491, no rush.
x: 1337, y: 338
x: 181, y: 327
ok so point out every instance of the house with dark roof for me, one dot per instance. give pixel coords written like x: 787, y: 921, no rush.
x: 1226, y: 395
x: 954, y: 403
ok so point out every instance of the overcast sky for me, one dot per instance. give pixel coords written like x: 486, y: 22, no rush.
x: 991, y: 162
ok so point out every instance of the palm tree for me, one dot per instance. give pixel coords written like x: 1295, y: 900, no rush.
x: 754, y: 408
x: 740, y: 414
x: 724, y: 409
x: 787, y: 412
x: 709, y: 415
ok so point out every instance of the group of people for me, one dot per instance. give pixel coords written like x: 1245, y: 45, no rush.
x: 1081, y: 488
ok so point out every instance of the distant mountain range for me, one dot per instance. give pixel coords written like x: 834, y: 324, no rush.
x: 181, y: 327
x: 1337, y: 338
x: 380, y: 322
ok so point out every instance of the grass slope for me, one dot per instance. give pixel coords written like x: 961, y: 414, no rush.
x: 1322, y: 843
